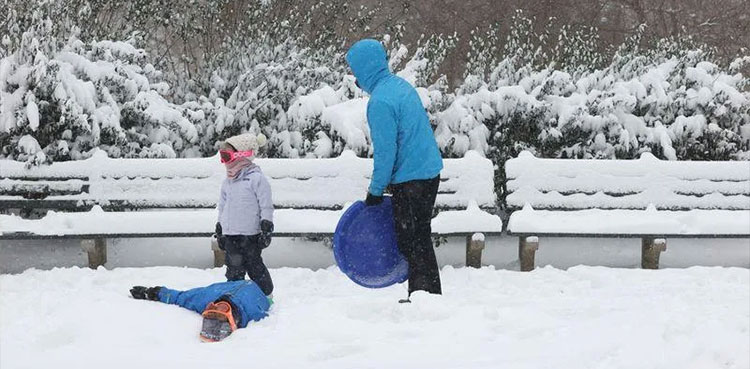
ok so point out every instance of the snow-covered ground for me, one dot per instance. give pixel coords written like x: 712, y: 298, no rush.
x: 584, y: 317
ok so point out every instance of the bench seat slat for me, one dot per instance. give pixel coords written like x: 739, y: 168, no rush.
x: 712, y: 223
x: 195, y: 234
x: 85, y: 203
x: 201, y: 222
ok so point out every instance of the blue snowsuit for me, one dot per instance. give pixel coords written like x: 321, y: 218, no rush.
x: 404, y: 144
x: 245, y: 296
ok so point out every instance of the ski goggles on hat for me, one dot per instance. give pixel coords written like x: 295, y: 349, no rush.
x: 227, y: 156
x: 218, y: 322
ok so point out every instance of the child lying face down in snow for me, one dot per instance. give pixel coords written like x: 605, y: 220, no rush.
x: 224, y: 306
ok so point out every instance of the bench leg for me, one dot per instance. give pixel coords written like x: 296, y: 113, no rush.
x: 96, y: 250
x: 650, y: 250
x: 474, y: 247
x: 527, y: 247
x: 218, y: 253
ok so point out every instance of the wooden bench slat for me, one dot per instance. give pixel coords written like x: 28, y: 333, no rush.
x: 659, y: 198
x: 637, y: 223
x: 591, y: 183
x: 625, y: 235
x: 296, y: 183
x: 33, y: 236
x: 199, y: 223
x: 645, y: 166
x: 80, y: 205
x: 15, y: 187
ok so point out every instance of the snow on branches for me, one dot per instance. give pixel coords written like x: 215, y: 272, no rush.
x: 549, y: 93
x: 63, y: 97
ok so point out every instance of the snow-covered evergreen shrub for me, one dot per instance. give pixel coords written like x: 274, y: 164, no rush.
x: 668, y: 98
x: 275, y: 73
x: 261, y: 88
x: 333, y: 118
x: 69, y: 97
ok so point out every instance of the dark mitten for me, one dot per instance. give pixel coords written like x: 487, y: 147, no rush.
x: 138, y: 292
x: 145, y: 293
x: 373, y: 200
x: 266, y: 231
x: 218, y: 235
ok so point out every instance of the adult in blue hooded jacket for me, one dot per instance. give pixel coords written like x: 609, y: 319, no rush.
x: 406, y: 159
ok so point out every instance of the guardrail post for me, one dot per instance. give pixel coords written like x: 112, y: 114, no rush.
x: 218, y: 253
x: 96, y: 250
x: 651, y: 248
x: 527, y: 247
x: 474, y: 247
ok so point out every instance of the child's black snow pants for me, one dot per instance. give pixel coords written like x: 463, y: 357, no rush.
x: 413, y: 203
x: 243, y: 256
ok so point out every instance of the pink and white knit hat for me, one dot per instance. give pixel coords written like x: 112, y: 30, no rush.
x: 247, y: 142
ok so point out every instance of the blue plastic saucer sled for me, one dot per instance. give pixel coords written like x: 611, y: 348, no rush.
x: 365, y: 247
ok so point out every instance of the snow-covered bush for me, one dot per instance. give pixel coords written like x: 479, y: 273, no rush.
x: 274, y: 73
x: 60, y: 98
x: 332, y: 118
x: 668, y: 98
x: 269, y: 87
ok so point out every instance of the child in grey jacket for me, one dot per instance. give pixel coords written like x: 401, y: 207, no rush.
x: 245, y: 221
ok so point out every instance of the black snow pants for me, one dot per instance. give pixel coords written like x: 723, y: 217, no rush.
x: 413, y: 203
x: 243, y: 256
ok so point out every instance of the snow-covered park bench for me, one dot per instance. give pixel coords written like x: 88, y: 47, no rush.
x: 646, y: 198
x: 101, y: 198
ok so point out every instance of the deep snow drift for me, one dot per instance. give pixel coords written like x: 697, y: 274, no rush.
x: 585, y: 317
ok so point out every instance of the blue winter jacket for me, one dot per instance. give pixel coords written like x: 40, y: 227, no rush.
x: 404, y: 144
x: 245, y: 295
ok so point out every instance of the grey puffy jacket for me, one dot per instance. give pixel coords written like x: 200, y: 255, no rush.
x: 244, y: 201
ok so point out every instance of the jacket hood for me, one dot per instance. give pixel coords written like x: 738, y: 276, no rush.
x: 369, y: 63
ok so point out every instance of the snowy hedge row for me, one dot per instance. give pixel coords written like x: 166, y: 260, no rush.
x: 59, y: 98
x: 679, y: 108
